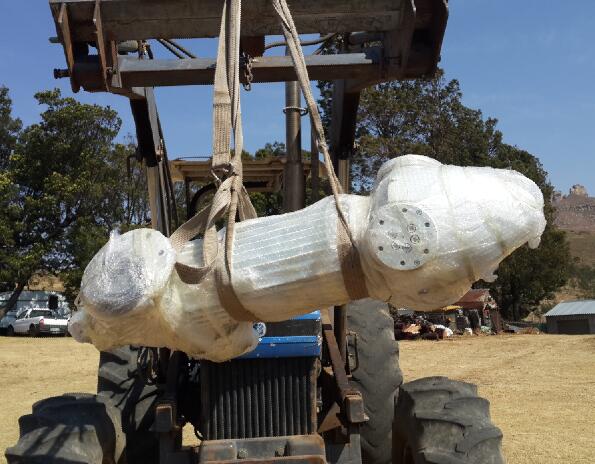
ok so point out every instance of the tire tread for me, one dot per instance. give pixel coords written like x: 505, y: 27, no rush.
x: 73, y: 428
x: 378, y: 376
x: 444, y: 421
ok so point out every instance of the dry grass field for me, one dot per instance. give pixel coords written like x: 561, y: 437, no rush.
x: 542, y: 387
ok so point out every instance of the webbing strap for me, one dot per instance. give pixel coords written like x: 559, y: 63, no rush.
x: 204, y: 222
x: 228, y: 58
x: 224, y: 277
x: 351, y: 268
x: 222, y: 104
x: 231, y: 197
x: 353, y: 276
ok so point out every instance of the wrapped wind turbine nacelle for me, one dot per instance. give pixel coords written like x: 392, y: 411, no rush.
x: 424, y: 235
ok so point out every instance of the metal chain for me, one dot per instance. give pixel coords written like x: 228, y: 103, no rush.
x: 247, y: 68
x: 302, y: 111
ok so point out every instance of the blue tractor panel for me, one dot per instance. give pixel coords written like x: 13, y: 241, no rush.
x: 297, y: 337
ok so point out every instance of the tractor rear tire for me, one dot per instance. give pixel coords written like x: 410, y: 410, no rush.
x: 442, y: 421
x: 80, y: 428
x: 75, y: 428
x: 119, y: 382
x: 377, y: 377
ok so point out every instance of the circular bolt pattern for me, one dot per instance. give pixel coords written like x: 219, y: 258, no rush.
x: 403, y: 236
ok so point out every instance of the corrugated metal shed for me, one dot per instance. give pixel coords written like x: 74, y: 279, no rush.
x: 573, y: 308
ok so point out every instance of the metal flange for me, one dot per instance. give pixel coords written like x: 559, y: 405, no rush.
x: 402, y: 236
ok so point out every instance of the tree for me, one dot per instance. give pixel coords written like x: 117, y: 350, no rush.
x: 427, y: 117
x: 67, y: 181
x: 584, y: 278
x: 528, y: 276
x: 9, y: 130
x: 270, y: 150
x: 128, y: 190
x: 132, y: 186
x: 268, y: 203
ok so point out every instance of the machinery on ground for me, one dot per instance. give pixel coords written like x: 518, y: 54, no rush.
x: 319, y: 388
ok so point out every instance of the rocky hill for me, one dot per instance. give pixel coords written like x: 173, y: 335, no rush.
x: 576, y: 211
x: 576, y: 215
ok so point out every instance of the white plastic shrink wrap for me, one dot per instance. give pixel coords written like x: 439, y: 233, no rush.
x: 424, y: 235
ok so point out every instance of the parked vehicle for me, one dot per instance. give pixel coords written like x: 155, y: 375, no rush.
x: 37, y: 321
x: 8, y: 319
x: 38, y: 299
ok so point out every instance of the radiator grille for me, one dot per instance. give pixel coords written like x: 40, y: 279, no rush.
x: 249, y: 398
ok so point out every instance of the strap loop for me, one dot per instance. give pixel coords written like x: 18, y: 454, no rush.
x: 351, y: 268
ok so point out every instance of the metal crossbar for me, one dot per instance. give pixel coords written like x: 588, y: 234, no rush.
x: 382, y: 40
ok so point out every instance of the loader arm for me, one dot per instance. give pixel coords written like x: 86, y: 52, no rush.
x: 382, y: 40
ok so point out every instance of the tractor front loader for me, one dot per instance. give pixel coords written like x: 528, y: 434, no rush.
x: 325, y: 387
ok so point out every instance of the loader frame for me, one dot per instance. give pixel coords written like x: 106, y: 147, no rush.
x: 382, y: 40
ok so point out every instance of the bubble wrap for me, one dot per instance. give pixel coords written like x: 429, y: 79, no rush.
x: 424, y: 235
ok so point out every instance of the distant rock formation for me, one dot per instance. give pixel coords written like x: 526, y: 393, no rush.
x: 575, y: 211
x: 578, y: 189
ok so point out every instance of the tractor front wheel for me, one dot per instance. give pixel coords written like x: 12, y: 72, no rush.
x: 442, y: 421
x: 120, y: 383
x: 72, y: 428
x: 377, y: 376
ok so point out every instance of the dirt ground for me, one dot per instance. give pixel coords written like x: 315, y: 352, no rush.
x: 541, y: 387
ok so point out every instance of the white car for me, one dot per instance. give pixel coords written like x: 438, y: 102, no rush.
x: 8, y: 319
x: 38, y: 321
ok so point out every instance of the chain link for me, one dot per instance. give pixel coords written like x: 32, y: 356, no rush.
x: 302, y: 111
x: 247, y: 67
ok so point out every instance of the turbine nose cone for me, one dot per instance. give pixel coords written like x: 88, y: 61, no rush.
x: 513, y: 207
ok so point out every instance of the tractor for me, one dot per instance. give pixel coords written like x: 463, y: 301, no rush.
x: 324, y: 387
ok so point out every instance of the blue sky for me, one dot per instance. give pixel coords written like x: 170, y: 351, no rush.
x: 530, y: 64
